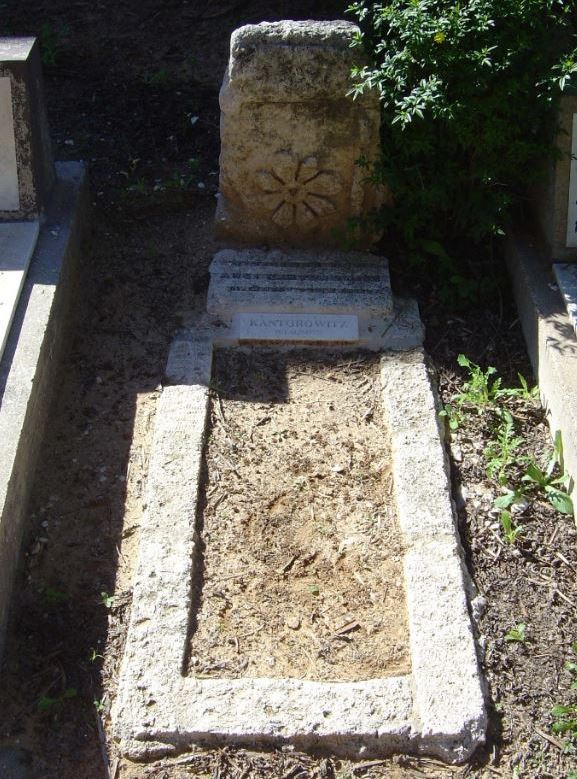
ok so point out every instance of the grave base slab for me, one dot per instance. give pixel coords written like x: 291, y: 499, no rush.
x: 437, y: 709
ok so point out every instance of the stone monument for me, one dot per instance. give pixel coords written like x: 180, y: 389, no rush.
x: 291, y: 136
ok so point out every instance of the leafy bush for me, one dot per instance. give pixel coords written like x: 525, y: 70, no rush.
x: 468, y: 91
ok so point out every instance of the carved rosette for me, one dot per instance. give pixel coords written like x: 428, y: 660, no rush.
x: 296, y: 192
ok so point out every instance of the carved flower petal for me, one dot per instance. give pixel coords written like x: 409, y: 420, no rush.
x: 285, y: 167
x: 270, y: 200
x: 267, y: 182
x: 284, y: 215
x: 308, y: 169
x: 326, y: 183
x: 305, y: 216
x: 320, y: 205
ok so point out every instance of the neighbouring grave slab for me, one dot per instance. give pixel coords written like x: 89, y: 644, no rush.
x: 17, y: 242
x: 31, y: 360
x: 437, y: 708
x: 26, y: 164
x: 291, y: 136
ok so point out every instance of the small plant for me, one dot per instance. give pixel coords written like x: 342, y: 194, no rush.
x: 99, y: 706
x: 544, y: 479
x: 565, y: 716
x: 510, y: 498
x: 501, y: 452
x: 157, y: 78
x: 480, y: 389
x: 524, y: 392
x: 48, y: 703
x: 94, y: 655
x: 50, y: 40
x: 452, y: 415
x: 511, y: 531
x: 54, y: 597
x: 107, y: 600
x: 518, y: 634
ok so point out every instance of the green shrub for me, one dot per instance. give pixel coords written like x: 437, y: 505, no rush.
x: 468, y: 92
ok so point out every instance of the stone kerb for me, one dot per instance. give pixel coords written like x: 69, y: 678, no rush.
x: 291, y: 137
x: 26, y: 164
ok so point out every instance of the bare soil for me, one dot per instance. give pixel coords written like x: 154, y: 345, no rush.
x: 124, y: 82
x: 302, y: 572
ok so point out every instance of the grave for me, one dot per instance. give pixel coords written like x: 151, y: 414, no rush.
x: 286, y: 123
x: 42, y: 211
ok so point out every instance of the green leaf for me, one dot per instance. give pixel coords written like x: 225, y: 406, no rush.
x: 559, y: 500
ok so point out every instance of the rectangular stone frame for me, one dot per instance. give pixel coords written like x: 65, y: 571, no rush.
x: 437, y: 709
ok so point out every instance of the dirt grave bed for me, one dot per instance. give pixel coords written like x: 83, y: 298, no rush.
x: 300, y: 569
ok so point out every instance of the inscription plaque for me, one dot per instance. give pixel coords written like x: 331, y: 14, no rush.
x: 572, y: 204
x: 306, y: 327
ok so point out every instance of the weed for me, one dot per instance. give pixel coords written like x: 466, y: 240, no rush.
x: 48, y: 703
x: 54, y: 597
x: 518, y: 634
x: 156, y: 78
x: 543, y: 478
x: 511, y: 531
x: 50, y: 40
x: 480, y: 390
x: 565, y: 716
x: 314, y: 589
x: 107, y: 600
x: 94, y: 656
x: 510, y: 498
x: 99, y: 706
x: 501, y: 452
x: 452, y: 415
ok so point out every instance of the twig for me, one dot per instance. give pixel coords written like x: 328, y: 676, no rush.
x: 550, y: 739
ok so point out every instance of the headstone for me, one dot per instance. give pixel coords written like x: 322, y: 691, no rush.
x: 556, y: 200
x: 26, y: 164
x: 291, y: 137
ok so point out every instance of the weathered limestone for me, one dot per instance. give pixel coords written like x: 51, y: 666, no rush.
x: 26, y: 164
x: 291, y: 136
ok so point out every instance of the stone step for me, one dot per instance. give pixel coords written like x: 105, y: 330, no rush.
x: 296, y: 281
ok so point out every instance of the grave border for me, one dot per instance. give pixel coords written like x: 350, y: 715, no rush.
x: 438, y: 709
